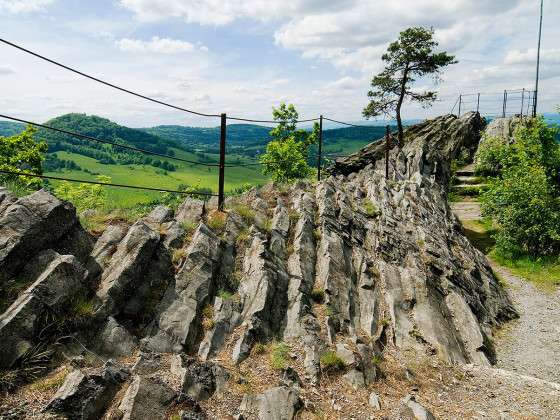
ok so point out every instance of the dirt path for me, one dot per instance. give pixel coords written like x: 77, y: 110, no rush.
x: 530, y: 345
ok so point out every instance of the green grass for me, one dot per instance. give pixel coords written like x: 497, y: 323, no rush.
x: 331, y: 362
x: 279, y: 355
x: 148, y: 176
x: 543, y: 272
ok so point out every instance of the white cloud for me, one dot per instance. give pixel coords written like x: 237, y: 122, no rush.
x: 548, y: 56
x: 157, y: 45
x: 24, y: 6
x: 347, y: 83
x: 5, y: 70
x: 221, y: 12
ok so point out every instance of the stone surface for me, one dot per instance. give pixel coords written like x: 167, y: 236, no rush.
x: 177, y: 322
x: 373, y: 401
x: 116, y: 341
x: 29, y: 225
x: 87, y: 395
x: 280, y: 403
x: 199, y: 380
x: 190, y: 211
x: 59, y: 280
x: 146, y: 398
x: 138, y: 269
x: 412, y: 410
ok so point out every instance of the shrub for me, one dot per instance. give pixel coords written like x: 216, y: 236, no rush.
x: 279, y: 355
x: 84, y: 196
x: 523, y: 197
x: 331, y: 362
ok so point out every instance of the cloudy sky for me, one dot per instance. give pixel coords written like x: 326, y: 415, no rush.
x: 244, y: 56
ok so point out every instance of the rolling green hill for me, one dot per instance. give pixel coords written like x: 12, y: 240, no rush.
x: 82, y: 159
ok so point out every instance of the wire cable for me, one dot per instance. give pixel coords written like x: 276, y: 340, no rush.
x: 345, y: 123
x: 83, y: 136
x: 107, y: 184
x: 269, y: 121
x: 139, y: 95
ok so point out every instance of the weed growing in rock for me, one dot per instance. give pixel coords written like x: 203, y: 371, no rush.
x: 217, y: 222
x: 246, y: 213
x: 279, y: 355
x: 258, y: 348
x: 370, y: 208
x: 331, y: 362
x: 318, y: 295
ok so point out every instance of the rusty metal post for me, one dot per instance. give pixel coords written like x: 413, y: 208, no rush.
x: 221, y: 199
x: 504, y: 106
x: 460, y: 100
x: 320, y: 148
x: 387, y: 138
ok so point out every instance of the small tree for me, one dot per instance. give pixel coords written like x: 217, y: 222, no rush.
x: 411, y: 56
x: 21, y: 153
x: 286, y: 154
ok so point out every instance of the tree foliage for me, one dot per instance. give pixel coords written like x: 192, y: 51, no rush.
x: 410, y: 57
x: 286, y: 154
x: 84, y: 196
x: 21, y: 153
x: 523, y: 196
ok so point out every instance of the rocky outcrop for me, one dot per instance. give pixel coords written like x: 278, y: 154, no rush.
x: 85, y: 396
x: 354, y: 265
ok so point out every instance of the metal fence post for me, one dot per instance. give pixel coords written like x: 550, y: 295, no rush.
x: 222, y: 162
x: 522, y: 101
x: 504, y: 107
x: 320, y: 148
x: 460, y: 100
x: 387, y: 136
x: 478, y: 104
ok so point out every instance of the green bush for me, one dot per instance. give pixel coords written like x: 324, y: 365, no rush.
x: 286, y: 154
x: 84, y: 196
x: 21, y: 153
x: 523, y: 197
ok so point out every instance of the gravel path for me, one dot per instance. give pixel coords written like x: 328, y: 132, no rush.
x: 531, y: 344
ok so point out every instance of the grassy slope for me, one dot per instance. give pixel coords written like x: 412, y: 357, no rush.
x: 149, y: 176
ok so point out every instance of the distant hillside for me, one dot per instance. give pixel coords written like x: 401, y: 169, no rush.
x: 251, y: 140
x: 9, y: 128
x: 105, y: 129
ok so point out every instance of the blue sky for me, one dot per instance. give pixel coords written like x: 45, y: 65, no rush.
x: 245, y: 56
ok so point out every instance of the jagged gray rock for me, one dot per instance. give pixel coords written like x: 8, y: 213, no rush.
x: 115, y: 340
x: 85, y: 396
x: 190, y: 211
x: 412, y: 410
x: 280, y: 403
x: 61, y: 279
x: 199, y: 380
x: 177, y: 322
x: 138, y: 272
x: 146, y: 398
x: 226, y: 317
x: 29, y: 225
